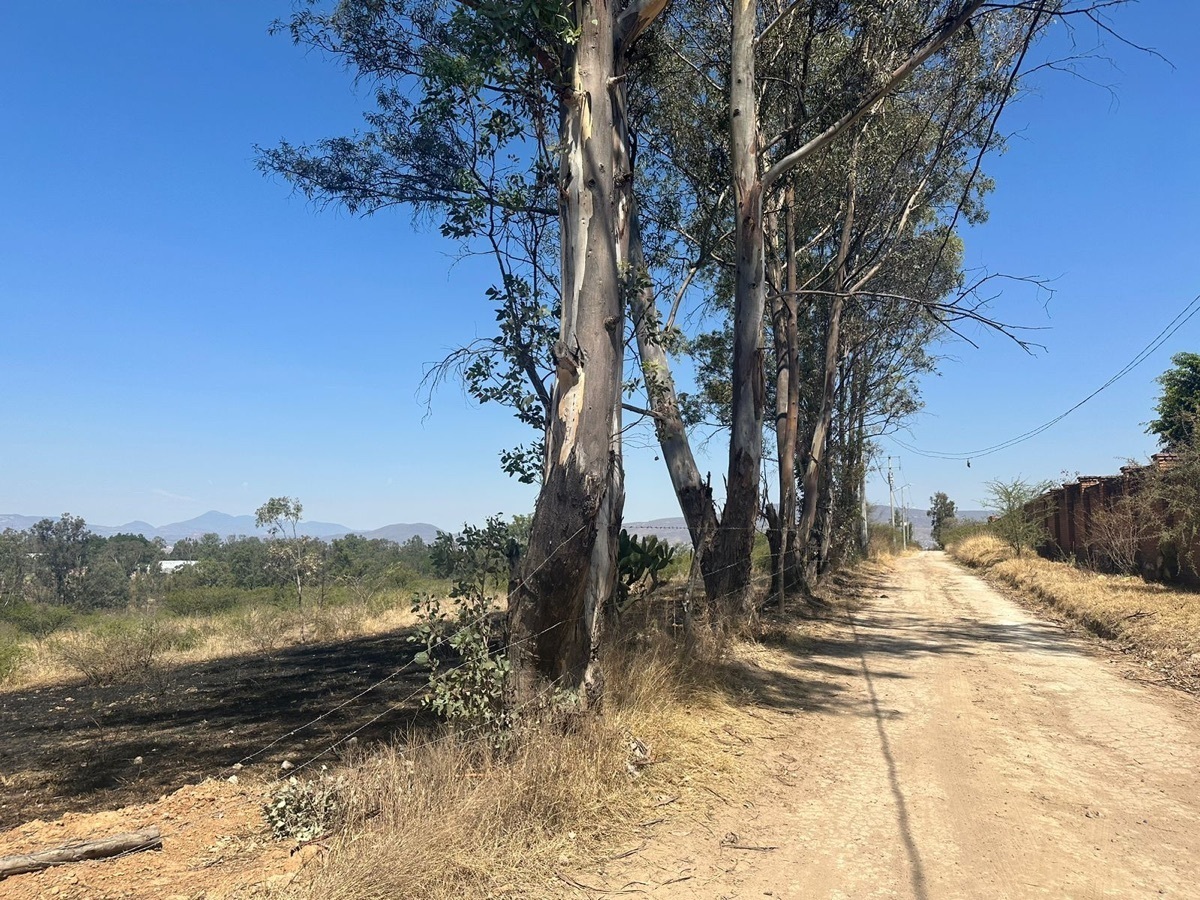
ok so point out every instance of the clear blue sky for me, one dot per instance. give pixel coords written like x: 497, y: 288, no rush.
x: 180, y: 334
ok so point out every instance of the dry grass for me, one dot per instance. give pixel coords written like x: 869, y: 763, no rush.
x: 1155, y: 620
x: 100, y: 645
x: 449, y: 819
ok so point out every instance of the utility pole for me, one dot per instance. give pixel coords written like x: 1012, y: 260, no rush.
x: 903, y: 518
x: 891, y: 504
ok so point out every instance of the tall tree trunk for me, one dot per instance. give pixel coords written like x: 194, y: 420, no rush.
x: 831, y: 509
x: 788, y: 434
x: 694, y: 495
x: 833, y: 338
x: 569, y: 573
x: 729, y: 582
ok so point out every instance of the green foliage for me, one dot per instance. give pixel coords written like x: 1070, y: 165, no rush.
x: 304, y: 810
x: 60, y: 547
x: 942, y: 513
x: 1178, y: 406
x: 294, y: 559
x: 1015, y: 523
x: 207, y: 601
x: 1178, y: 488
x: 467, y: 677
x: 639, y: 559
x: 12, y: 652
x: 38, y: 620
x: 462, y: 130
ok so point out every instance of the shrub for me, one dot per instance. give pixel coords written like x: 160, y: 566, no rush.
x: 263, y: 628
x: 37, y: 619
x: 1117, y: 532
x: 207, y: 601
x: 304, y: 810
x: 470, y: 694
x: 119, y: 651
x: 12, y: 652
x: 639, y: 559
x: 882, y: 540
x: 1016, y: 523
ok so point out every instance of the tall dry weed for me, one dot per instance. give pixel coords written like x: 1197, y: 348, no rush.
x: 1158, y: 622
x: 451, y: 818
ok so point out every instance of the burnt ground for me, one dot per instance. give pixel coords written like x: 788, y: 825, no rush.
x: 73, y: 747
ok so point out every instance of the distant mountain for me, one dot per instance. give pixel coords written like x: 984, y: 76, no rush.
x: 672, y: 530
x: 223, y: 524
x: 18, y: 523
x: 402, y: 532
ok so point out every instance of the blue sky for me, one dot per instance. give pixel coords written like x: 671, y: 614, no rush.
x: 178, y: 333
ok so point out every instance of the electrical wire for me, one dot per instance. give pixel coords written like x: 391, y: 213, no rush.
x: 1183, y: 317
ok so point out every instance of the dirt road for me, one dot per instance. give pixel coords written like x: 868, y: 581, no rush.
x: 946, y: 743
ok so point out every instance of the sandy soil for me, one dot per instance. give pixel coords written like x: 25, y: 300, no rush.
x: 945, y: 743
x: 215, y: 847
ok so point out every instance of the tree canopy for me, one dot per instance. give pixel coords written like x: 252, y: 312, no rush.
x: 1179, y: 404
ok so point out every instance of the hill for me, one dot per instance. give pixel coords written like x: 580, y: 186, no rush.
x: 225, y: 525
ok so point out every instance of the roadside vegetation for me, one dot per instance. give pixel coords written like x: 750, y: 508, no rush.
x: 112, y: 610
x: 1157, y: 621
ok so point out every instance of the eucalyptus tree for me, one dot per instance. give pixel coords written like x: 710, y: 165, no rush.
x: 505, y: 121
x: 806, y: 82
x: 819, y: 102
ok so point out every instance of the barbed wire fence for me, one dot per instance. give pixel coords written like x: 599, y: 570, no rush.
x: 538, y: 700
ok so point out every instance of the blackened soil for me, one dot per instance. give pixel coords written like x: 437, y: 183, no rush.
x: 73, y: 747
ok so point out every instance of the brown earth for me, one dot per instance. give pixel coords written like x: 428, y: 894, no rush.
x: 214, y: 845
x: 934, y: 741
x: 947, y: 744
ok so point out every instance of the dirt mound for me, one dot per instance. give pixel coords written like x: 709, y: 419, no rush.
x: 215, y: 844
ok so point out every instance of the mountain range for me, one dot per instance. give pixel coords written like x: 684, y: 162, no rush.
x: 674, y: 530
x: 214, y: 522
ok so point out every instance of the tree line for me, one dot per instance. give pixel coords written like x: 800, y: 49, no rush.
x: 63, y: 563
x: 794, y: 175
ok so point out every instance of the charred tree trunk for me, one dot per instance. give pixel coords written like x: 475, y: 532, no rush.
x: 569, y: 573
x: 729, y: 570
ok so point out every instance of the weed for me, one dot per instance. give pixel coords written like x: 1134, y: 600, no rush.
x: 122, y: 651
x: 304, y: 810
x: 13, y: 652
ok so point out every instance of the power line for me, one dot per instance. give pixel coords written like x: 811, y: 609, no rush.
x: 1181, y: 319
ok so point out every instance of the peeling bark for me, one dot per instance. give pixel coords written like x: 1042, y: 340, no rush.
x: 569, y: 573
x: 729, y: 572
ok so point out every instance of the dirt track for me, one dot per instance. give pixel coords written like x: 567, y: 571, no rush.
x: 952, y: 745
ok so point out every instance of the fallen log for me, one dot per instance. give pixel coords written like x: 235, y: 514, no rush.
x: 134, y: 841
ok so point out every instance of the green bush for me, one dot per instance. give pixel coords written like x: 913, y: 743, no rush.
x: 207, y: 601
x: 12, y: 652
x: 304, y: 810
x: 37, y: 619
